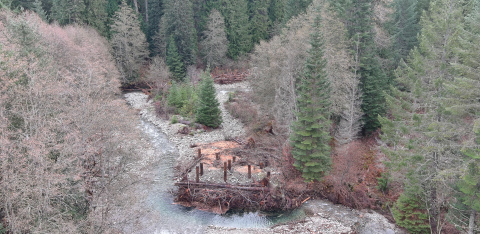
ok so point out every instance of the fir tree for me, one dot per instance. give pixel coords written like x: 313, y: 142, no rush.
x: 373, y: 79
x: 405, y: 28
x: 259, y: 20
x: 469, y: 185
x: 96, y: 15
x: 68, y: 11
x: 238, y: 27
x: 128, y: 42
x: 310, y: 136
x: 424, y: 106
x: 179, y: 23
x: 37, y: 7
x: 275, y: 10
x: 208, y: 111
x: 294, y: 7
x: 154, y: 14
x: 174, y: 61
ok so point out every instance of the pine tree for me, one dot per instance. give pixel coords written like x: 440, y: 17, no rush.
x: 310, y: 136
x: 422, y: 107
x: 174, y: 61
x: 405, y: 28
x: 128, y: 43
x: 215, y: 44
x: 208, y: 110
x: 259, y: 19
x: 179, y: 23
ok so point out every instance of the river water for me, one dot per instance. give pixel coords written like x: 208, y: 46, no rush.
x: 178, y: 219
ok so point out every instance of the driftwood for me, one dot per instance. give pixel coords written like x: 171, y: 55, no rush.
x: 228, y: 76
x: 190, y: 166
x: 227, y: 186
x: 197, y: 125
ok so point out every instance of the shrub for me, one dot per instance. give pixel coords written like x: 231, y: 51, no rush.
x: 174, y: 120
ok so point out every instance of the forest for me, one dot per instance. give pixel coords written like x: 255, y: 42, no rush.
x: 373, y: 104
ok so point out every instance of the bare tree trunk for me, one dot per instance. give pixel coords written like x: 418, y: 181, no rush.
x: 471, y: 223
x: 136, y: 6
x: 146, y: 11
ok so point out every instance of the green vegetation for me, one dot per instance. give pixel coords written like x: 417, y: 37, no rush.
x: 208, y: 111
x: 310, y: 136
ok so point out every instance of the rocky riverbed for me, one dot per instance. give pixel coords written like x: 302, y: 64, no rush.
x: 321, y: 216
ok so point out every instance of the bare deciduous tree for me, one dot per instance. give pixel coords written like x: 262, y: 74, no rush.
x: 128, y: 42
x: 278, y: 64
x: 215, y: 44
x: 63, y: 129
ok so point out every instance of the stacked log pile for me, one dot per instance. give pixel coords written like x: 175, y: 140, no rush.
x: 229, y: 76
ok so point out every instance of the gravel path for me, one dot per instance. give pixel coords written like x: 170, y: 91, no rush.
x: 230, y: 127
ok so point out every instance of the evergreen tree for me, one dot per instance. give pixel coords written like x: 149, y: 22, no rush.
x: 373, y: 79
x: 310, y: 136
x: 68, y: 11
x: 179, y: 23
x: 37, y: 7
x: 128, y: 43
x: 174, y: 99
x: 208, y: 110
x: 96, y: 15
x: 469, y: 185
x: 154, y: 14
x: 174, y: 61
x: 215, y: 44
x: 425, y: 106
x: 294, y: 7
x: 405, y: 28
x: 275, y: 10
x: 238, y: 27
x: 275, y: 13
x: 259, y: 19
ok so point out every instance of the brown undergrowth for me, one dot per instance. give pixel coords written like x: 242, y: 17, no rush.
x: 352, y: 181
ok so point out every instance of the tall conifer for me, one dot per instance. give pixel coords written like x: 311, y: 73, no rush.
x: 259, y: 20
x: 174, y: 61
x: 405, y: 28
x: 310, y: 135
x: 238, y: 27
x: 208, y: 110
x: 427, y: 125
x: 179, y: 23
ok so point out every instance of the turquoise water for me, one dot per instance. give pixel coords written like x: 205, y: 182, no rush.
x: 178, y: 219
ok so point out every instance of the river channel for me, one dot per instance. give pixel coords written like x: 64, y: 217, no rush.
x: 174, y: 218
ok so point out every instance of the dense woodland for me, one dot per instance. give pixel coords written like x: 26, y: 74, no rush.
x: 399, y: 78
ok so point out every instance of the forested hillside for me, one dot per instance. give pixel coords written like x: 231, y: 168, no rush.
x: 369, y: 103
x: 63, y: 129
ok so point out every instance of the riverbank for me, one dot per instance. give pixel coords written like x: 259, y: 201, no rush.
x: 322, y: 216
x: 230, y: 127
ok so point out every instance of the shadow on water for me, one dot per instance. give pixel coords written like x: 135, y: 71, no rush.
x: 189, y: 220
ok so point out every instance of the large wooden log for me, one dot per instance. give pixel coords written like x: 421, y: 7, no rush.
x: 227, y: 186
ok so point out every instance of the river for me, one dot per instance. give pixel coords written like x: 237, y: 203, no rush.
x: 174, y: 218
